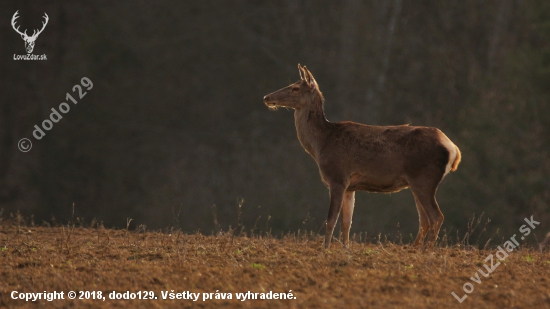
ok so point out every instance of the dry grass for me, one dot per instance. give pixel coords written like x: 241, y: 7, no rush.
x: 386, y: 275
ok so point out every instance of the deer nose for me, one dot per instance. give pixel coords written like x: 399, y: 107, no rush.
x: 266, y: 97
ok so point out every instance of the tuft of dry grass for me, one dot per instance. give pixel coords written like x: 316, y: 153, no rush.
x: 68, y: 258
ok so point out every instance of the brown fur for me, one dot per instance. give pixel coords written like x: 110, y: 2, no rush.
x: 353, y: 156
x: 457, y: 160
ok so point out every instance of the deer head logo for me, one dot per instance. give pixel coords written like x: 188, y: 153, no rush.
x: 29, y: 40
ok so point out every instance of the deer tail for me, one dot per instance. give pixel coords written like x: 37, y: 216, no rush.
x: 457, y: 159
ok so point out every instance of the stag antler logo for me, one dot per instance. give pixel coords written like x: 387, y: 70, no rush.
x: 29, y: 40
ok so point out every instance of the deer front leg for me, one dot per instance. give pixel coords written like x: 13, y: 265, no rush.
x: 347, y: 213
x: 336, y: 197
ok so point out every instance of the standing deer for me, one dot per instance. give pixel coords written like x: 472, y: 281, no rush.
x: 29, y: 40
x: 353, y: 156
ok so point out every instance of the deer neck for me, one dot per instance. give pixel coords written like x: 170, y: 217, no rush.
x: 312, y: 126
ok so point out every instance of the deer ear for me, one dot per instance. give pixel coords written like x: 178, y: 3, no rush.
x: 301, y: 71
x: 310, y: 79
x: 306, y: 75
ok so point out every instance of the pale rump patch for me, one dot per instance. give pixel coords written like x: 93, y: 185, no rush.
x: 453, y: 151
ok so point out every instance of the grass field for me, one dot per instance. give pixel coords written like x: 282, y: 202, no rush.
x: 367, y: 275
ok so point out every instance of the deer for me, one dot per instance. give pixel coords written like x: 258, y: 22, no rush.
x: 358, y: 157
x: 29, y: 40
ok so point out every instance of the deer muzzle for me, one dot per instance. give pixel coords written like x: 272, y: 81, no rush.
x: 268, y: 101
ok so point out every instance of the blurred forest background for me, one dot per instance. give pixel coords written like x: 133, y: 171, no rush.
x: 175, y: 122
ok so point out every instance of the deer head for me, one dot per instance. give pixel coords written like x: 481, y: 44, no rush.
x: 296, y: 95
x: 29, y: 40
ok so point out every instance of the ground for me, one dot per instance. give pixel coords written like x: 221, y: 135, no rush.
x: 366, y: 275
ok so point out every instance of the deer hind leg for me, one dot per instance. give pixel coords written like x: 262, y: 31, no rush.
x: 347, y: 213
x: 424, y: 192
x: 336, y: 197
x: 436, y: 221
x: 424, y: 223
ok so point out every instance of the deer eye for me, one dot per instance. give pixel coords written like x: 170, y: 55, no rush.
x: 295, y: 89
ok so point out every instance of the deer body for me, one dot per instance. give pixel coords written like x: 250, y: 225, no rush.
x: 353, y: 156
